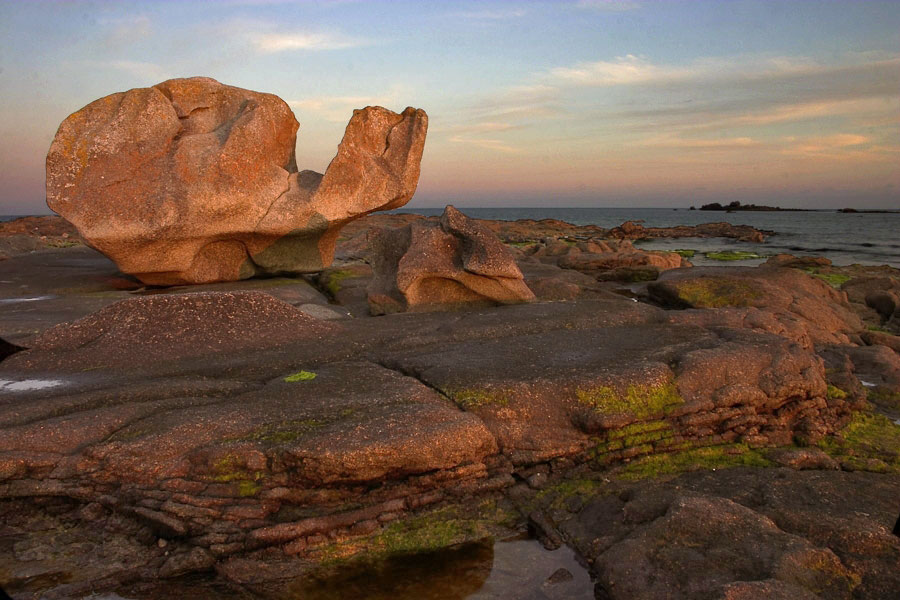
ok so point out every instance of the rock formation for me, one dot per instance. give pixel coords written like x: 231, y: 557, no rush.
x: 193, y: 181
x: 434, y: 266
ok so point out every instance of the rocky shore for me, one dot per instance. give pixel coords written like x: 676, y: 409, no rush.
x: 689, y: 432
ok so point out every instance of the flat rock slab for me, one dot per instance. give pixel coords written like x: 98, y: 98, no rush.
x: 45, y: 288
x: 152, y: 329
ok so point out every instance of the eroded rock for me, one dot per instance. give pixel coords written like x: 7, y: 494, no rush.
x: 193, y: 181
x: 438, y: 266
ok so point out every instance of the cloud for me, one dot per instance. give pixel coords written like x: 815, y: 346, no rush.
x: 745, y: 71
x: 486, y: 143
x: 266, y: 37
x: 826, y: 146
x: 608, y: 5
x: 127, y: 30
x: 268, y: 43
x: 338, y: 109
x: 735, y: 143
x: 624, y: 70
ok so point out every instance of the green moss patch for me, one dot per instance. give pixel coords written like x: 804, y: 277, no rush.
x: 300, y: 376
x: 333, y: 280
x: 435, y: 530
x: 640, y: 401
x: 469, y: 398
x: 870, y: 442
x: 835, y: 280
x: 732, y: 255
x: 716, y: 292
x: 640, y: 433
x: 836, y: 393
x: 711, y: 457
x: 229, y: 469
x: 685, y: 252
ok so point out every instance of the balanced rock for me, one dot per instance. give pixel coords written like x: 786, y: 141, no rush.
x: 193, y: 181
x: 442, y: 265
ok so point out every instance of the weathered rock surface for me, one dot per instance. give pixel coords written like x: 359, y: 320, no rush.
x: 147, y: 330
x: 621, y: 261
x: 192, y: 181
x: 740, y: 532
x: 427, y: 266
x: 791, y: 295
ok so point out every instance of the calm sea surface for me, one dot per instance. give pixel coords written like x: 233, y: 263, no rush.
x: 864, y: 238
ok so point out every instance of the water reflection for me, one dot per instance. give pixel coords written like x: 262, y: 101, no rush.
x: 518, y: 569
x: 452, y: 574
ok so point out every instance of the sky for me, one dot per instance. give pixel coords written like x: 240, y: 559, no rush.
x: 600, y: 103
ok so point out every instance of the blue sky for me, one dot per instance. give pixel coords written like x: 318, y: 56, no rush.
x: 579, y: 103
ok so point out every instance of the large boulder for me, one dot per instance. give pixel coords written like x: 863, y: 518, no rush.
x: 438, y: 266
x: 193, y: 181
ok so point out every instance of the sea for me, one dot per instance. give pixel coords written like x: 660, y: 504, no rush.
x: 844, y: 238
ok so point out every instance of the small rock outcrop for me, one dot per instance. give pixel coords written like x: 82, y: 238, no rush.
x: 193, y: 181
x: 631, y: 230
x: 438, y: 266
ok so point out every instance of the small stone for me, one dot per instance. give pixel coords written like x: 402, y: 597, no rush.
x: 561, y: 575
x: 161, y: 543
x: 537, y: 481
x: 197, y: 559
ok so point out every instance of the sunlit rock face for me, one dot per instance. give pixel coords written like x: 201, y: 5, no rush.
x: 444, y: 265
x: 193, y: 181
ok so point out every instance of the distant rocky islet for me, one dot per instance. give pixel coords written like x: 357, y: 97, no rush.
x: 530, y: 376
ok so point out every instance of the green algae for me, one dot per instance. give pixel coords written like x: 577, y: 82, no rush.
x: 879, y: 328
x: 229, y: 469
x: 638, y: 434
x: 708, y: 458
x: 732, y: 255
x: 62, y: 243
x: 870, y: 442
x: 434, y: 530
x: 333, y: 280
x: 641, y: 401
x: 300, y: 376
x: 835, y: 280
x: 717, y: 292
x: 685, y: 252
x: 468, y: 398
x: 835, y: 393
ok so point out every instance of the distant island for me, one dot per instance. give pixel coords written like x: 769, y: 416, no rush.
x: 736, y: 205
